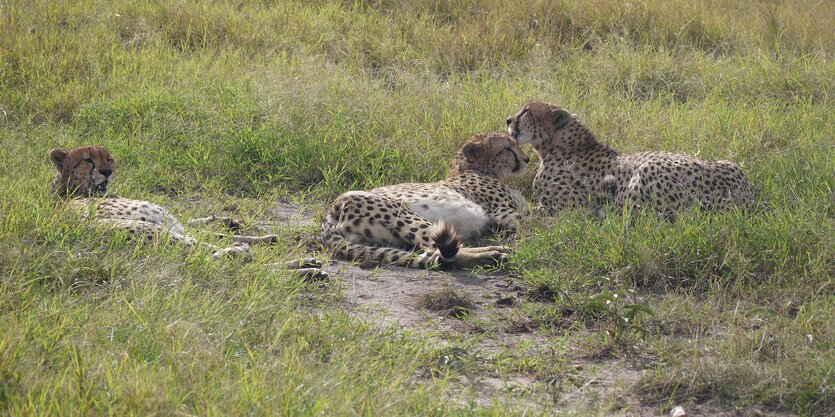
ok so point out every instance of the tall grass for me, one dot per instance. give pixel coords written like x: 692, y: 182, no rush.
x: 250, y: 102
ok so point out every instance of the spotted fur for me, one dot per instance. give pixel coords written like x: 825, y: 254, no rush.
x: 422, y: 225
x: 576, y: 171
x: 82, y: 176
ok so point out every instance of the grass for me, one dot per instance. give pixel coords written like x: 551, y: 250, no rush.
x: 240, y: 104
x: 447, y: 302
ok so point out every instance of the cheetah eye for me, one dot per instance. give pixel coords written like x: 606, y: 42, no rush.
x: 88, y: 160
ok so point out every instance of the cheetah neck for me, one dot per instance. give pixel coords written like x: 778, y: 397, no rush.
x: 467, y: 183
x: 469, y: 175
x: 580, y: 147
x: 470, y: 172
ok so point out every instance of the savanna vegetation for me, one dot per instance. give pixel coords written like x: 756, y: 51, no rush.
x: 233, y: 106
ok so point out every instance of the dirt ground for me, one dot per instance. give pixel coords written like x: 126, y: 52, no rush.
x: 495, y: 324
x: 392, y: 296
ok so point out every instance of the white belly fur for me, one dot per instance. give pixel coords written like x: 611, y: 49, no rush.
x: 520, y: 201
x: 468, y: 218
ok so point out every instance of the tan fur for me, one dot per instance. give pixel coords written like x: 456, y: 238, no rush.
x: 83, y: 171
x: 577, y: 171
x: 83, y: 174
x: 385, y: 224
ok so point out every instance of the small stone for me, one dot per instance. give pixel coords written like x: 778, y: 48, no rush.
x: 678, y: 411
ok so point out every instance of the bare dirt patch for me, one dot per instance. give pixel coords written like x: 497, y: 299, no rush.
x: 493, y: 327
x: 392, y: 295
x: 480, y: 321
x: 288, y: 213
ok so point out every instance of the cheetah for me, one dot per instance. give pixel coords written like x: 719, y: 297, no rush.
x: 82, y: 177
x: 576, y: 171
x: 422, y: 225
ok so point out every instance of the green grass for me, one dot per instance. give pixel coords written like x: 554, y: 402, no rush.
x: 250, y: 102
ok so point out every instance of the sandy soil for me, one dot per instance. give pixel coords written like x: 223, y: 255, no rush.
x: 495, y: 324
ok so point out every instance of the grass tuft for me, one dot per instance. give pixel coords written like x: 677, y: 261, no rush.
x: 446, y: 301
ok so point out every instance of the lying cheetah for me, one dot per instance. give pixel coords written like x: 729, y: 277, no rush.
x: 83, y: 175
x: 386, y: 224
x: 576, y: 170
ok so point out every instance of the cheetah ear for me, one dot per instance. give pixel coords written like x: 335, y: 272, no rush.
x: 471, y: 151
x: 561, y: 117
x: 58, y: 157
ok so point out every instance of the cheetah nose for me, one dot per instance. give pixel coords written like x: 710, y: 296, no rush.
x: 509, y: 121
x: 106, y: 172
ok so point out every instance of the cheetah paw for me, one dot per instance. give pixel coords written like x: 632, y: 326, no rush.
x: 303, y: 263
x: 236, y: 250
x: 311, y: 274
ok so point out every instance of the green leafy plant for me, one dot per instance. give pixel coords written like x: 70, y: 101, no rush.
x: 620, y: 319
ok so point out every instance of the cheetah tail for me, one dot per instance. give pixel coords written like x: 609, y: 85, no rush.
x: 345, y: 249
x: 446, y: 239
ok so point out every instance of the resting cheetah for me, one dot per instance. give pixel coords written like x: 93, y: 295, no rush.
x: 386, y: 224
x: 576, y: 170
x: 83, y: 175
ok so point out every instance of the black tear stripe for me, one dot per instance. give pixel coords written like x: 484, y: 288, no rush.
x: 516, y: 124
x: 518, y: 163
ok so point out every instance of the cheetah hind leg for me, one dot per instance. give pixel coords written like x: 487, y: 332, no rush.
x: 252, y: 240
x: 229, y: 222
x: 481, y: 256
x: 483, y: 249
x: 152, y: 232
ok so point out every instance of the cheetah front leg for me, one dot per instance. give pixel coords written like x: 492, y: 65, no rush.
x: 152, y: 232
x: 263, y: 240
x: 308, y: 268
x: 235, y: 226
x: 228, y: 222
x: 237, y: 249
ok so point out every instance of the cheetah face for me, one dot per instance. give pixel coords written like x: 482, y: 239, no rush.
x: 82, y: 171
x: 514, y: 126
x: 537, y: 121
x: 494, y: 154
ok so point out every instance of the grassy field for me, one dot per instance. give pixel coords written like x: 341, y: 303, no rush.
x: 234, y: 106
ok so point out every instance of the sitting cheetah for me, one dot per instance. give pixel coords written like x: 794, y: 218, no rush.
x: 386, y: 224
x: 83, y: 174
x: 576, y: 170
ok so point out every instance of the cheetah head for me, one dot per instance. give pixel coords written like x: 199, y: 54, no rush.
x: 538, y: 122
x: 494, y: 154
x: 82, y: 171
